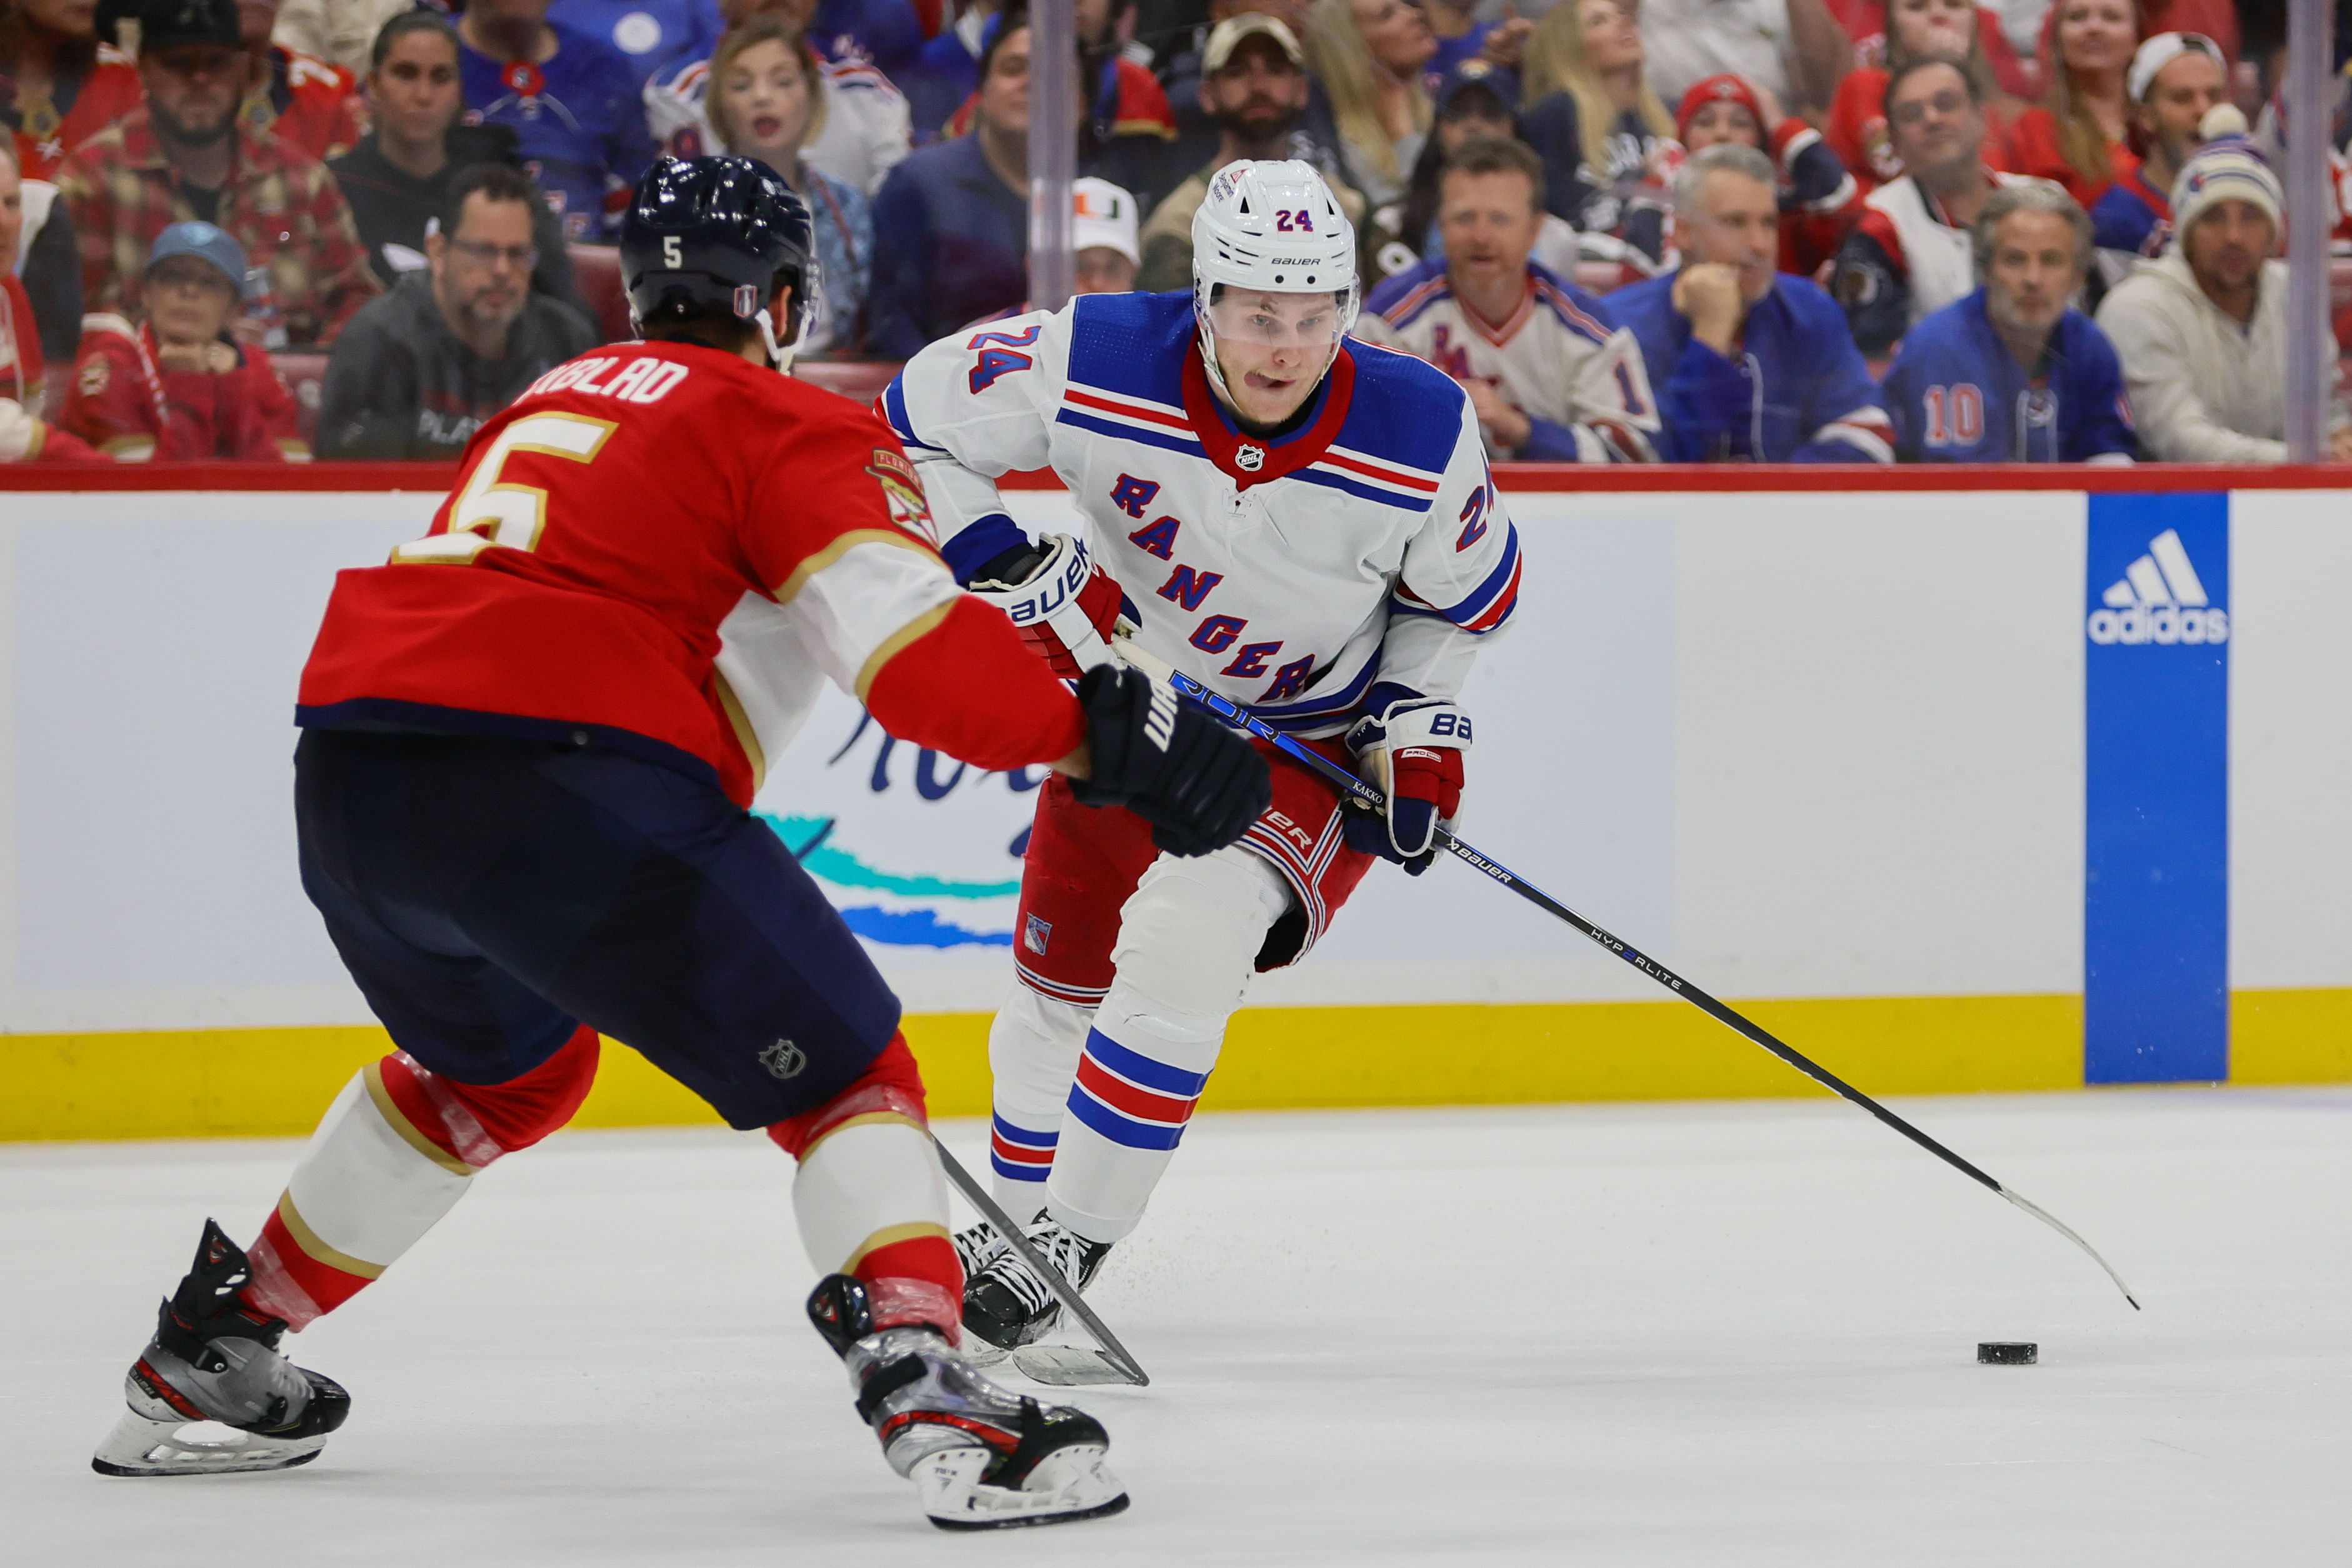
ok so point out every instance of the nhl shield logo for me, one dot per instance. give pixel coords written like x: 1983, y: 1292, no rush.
x: 784, y: 1060
x: 1249, y: 458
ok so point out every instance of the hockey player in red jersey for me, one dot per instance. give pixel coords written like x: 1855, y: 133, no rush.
x: 530, y: 742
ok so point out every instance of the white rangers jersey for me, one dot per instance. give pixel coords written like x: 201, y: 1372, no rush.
x: 1581, y: 382
x: 1290, y: 574
x: 868, y: 127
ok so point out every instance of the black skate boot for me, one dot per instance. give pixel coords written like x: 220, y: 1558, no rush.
x: 215, y: 1359
x: 1006, y: 1303
x: 980, y: 1458
x: 978, y: 1245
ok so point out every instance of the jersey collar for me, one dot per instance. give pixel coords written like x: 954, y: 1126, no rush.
x: 1247, y: 460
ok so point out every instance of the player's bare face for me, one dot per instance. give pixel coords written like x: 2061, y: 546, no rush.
x: 1736, y: 224
x: 1272, y: 349
x: 2033, y: 271
x: 768, y: 99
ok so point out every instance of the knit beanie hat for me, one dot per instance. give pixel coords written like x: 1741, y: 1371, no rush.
x: 1725, y: 88
x: 2227, y: 167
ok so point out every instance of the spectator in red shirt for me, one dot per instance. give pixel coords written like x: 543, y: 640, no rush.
x: 174, y: 388
x: 307, y: 102
x: 70, y: 87
x: 2078, y: 134
x: 182, y: 157
x: 1918, y: 30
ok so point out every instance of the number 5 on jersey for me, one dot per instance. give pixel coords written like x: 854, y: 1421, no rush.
x: 490, y: 511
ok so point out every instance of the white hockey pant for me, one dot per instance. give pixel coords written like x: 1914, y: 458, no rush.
x: 1091, y: 1107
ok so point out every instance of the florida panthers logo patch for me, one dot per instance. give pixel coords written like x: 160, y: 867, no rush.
x: 904, y: 491
x: 1249, y: 458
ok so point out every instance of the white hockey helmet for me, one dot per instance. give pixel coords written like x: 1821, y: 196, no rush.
x: 1271, y: 227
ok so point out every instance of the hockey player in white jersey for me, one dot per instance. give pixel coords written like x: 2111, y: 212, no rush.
x: 1551, y: 381
x: 1303, y: 523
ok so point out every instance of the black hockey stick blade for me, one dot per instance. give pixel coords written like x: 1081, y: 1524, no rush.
x: 1730, y: 1018
x: 1115, y: 1356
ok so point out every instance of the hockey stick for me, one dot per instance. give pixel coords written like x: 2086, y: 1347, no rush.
x: 1186, y: 686
x: 1114, y: 1357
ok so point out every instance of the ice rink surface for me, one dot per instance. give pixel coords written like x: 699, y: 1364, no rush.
x: 1637, y: 1335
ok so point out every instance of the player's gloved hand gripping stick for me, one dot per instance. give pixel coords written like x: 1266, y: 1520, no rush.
x: 1444, y: 839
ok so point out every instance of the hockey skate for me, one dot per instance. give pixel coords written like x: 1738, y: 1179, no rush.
x: 980, y: 1458
x: 978, y: 1245
x: 213, y: 1360
x: 1007, y: 1305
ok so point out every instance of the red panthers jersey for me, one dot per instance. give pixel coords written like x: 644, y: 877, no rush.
x: 668, y: 546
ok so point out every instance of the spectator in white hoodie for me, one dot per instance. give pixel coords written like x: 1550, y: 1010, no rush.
x: 2202, y: 329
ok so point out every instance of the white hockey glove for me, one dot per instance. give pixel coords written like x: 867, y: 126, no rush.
x: 1063, y: 604
x: 1410, y: 749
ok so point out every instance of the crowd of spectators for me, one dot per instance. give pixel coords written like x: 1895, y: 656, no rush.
x: 1635, y: 230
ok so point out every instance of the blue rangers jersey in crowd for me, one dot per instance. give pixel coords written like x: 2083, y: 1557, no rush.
x: 577, y: 119
x: 1288, y: 573
x: 1797, y: 393
x: 1958, y: 396
x: 1579, y: 380
x: 650, y: 35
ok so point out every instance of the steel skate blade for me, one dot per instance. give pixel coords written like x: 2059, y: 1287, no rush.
x: 1069, y: 1366
x: 1065, y: 1486
x: 141, y: 1445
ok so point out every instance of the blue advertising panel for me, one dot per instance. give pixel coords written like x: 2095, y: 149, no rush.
x: 2155, y: 895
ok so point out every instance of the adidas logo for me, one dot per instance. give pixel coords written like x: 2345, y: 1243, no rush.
x: 2160, y: 600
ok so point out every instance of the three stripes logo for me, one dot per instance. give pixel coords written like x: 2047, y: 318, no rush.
x: 2159, y: 598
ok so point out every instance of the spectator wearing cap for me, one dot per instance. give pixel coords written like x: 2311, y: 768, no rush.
x: 2202, y: 329
x: 397, y: 179
x: 2176, y: 80
x: 766, y: 101
x: 861, y: 134
x: 1820, y: 200
x: 1475, y: 101
x: 1794, y: 49
x: 1317, y: 133
x: 1607, y: 141
x: 1749, y: 365
x: 182, y: 157
x: 418, y: 371
x: 172, y: 386
x: 1255, y: 87
x: 1550, y: 381
x: 1104, y: 237
x: 1370, y: 55
x: 2013, y: 373
x: 1910, y: 253
x: 571, y: 101
x: 302, y: 101
x: 69, y: 83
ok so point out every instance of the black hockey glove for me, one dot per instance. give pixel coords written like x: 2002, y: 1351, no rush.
x: 1197, y: 783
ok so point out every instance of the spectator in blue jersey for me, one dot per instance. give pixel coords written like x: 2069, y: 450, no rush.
x: 952, y: 222
x: 885, y: 34
x: 571, y: 101
x: 1749, y: 364
x: 2175, y: 80
x: 649, y: 35
x: 2012, y: 373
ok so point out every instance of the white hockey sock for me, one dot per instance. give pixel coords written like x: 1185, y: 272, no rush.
x: 1033, y: 1056
x: 871, y: 1201
x: 1188, y: 939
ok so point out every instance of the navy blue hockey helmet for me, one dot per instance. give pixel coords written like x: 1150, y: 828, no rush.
x: 716, y: 234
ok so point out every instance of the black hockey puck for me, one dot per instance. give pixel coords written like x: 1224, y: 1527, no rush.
x: 2008, y: 1352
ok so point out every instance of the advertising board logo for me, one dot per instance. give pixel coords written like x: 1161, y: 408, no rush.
x: 2159, y: 598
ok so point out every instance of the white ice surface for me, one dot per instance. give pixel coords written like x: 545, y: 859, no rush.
x: 1686, y: 1335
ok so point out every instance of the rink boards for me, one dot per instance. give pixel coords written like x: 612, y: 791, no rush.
x: 1996, y: 790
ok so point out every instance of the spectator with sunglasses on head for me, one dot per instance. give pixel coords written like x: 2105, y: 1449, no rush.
x: 419, y: 370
